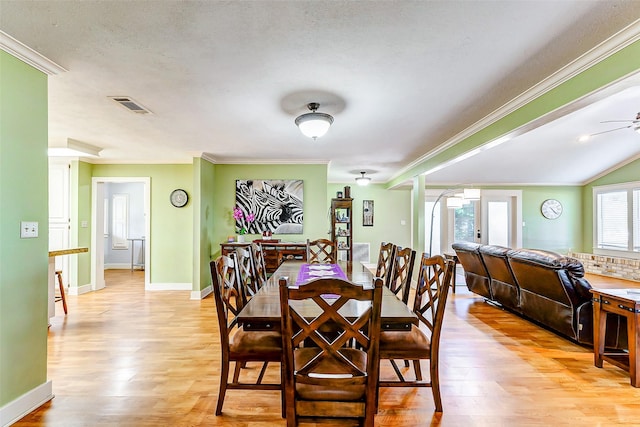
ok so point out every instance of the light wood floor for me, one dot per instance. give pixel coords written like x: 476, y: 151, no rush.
x: 126, y: 357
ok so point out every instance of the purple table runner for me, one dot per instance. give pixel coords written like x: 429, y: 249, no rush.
x: 314, y: 271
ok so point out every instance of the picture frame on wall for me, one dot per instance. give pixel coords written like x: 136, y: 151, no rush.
x: 367, y: 213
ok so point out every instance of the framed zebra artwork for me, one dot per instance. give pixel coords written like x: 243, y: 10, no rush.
x: 275, y: 205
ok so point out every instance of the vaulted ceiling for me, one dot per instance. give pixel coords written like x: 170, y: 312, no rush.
x: 227, y: 79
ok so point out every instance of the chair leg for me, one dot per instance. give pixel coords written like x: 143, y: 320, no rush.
x: 417, y: 370
x: 435, y: 386
x: 236, y: 371
x: 224, y: 378
x: 63, y: 297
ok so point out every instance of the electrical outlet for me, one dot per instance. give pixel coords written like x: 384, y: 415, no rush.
x: 28, y: 229
x: 84, y: 224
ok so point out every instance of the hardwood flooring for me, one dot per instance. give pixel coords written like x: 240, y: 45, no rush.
x: 126, y: 357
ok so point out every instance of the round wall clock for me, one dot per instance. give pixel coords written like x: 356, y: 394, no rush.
x: 551, y: 209
x: 179, y: 198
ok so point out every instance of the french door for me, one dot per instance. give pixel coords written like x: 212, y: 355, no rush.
x: 495, y: 219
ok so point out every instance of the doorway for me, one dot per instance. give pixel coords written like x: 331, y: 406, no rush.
x: 103, y: 221
x: 495, y: 219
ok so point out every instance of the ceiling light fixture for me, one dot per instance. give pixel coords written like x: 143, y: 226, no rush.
x: 74, y: 148
x: 314, y: 124
x: 363, y: 180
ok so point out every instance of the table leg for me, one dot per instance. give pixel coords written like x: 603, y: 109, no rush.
x: 599, y: 332
x: 633, y: 323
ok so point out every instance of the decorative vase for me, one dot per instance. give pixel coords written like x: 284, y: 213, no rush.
x: 240, y: 238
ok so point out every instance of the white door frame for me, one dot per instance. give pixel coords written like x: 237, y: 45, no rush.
x: 97, y: 227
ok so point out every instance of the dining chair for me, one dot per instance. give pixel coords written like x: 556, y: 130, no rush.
x: 237, y: 345
x: 321, y: 251
x: 259, y: 267
x: 247, y: 283
x: 402, y: 271
x: 384, y: 267
x: 324, y: 377
x: 421, y: 342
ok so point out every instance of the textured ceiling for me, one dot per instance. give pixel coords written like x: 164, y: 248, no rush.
x: 228, y: 78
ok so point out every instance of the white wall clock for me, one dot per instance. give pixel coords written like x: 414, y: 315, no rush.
x: 551, y: 208
x: 179, y: 198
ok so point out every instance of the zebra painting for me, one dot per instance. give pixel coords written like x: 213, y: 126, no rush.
x: 276, y: 205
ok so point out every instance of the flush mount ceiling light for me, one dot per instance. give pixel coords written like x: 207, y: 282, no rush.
x: 363, y: 180
x: 314, y: 124
x: 74, y: 148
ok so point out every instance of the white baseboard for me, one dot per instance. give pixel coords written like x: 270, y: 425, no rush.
x: 79, y: 290
x: 118, y: 266
x: 202, y: 293
x: 13, y: 411
x: 168, y: 287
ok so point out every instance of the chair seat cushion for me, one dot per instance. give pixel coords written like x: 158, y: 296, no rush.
x: 255, y: 345
x: 404, y: 344
x: 329, y: 366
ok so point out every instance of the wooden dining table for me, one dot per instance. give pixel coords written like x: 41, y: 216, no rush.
x: 262, y: 312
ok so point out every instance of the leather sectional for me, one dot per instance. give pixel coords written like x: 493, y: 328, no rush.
x: 543, y: 286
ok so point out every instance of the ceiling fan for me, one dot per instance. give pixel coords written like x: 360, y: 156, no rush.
x: 634, y: 125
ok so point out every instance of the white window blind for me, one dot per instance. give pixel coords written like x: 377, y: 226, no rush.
x: 613, y: 232
x: 617, y: 218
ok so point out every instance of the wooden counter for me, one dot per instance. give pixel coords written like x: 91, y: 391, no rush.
x: 52, y: 270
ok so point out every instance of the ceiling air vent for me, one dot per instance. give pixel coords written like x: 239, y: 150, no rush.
x: 130, y: 104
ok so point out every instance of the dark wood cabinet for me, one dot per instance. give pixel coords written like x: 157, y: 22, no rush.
x: 275, y: 252
x: 342, y: 227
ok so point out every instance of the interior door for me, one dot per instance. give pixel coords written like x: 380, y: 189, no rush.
x: 59, y: 220
x: 501, y: 218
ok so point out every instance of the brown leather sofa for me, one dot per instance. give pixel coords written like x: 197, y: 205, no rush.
x: 543, y: 286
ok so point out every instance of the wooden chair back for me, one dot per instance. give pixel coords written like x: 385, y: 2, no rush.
x: 324, y: 376
x: 227, y: 295
x: 259, y: 267
x: 432, y: 290
x: 384, y: 268
x: 321, y: 251
x: 400, y: 283
x: 246, y: 274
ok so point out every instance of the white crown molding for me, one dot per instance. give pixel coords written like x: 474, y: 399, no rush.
x: 610, y: 46
x: 28, y: 55
x: 208, y: 157
x: 273, y: 162
x: 613, y: 168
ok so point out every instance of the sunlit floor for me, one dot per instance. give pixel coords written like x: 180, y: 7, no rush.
x: 126, y: 357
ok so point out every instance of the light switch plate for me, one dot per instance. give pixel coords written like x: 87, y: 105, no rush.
x: 28, y: 229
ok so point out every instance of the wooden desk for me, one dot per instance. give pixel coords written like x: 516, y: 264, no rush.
x: 624, y: 303
x: 52, y: 272
x: 263, y: 310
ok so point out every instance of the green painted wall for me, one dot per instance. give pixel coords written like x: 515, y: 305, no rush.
x: 171, y: 242
x: 627, y: 173
x: 23, y: 197
x: 390, y: 207
x: 204, y: 222
x: 315, y: 202
x: 80, y: 210
x: 559, y: 235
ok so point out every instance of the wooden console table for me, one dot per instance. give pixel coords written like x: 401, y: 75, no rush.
x: 274, y: 252
x: 626, y: 303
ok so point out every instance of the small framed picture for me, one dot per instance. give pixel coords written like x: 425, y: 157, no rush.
x: 339, y: 194
x: 367, y: 213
